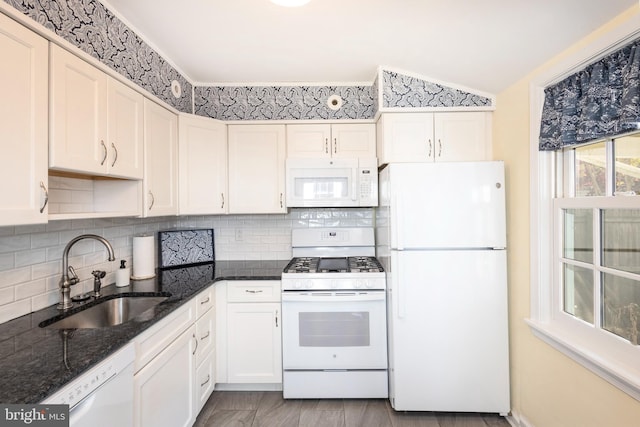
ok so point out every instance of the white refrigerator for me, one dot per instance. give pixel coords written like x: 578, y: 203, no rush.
x: 441, y: 237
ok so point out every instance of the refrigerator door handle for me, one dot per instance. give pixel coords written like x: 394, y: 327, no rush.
x: 399, y: 225
x: 397, y: 287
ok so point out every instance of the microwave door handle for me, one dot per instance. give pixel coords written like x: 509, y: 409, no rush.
x: 354, y: 184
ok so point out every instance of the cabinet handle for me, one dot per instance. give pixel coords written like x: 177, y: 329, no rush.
x: 205, y: 301
x: 104, y: 147
x: 222, y: 197
x: 439, y: 148
x: 429, y: 155
x: 116, y: 156
x: 205, y: 336
x: 253, y: 291
x: 196, y: 348
x: 335, y: 145
x: 153, y: 200
x: 207, y: 380
x: 276, y: 318
x: 281, y: 205
x: 326, y: 145
x: 46, y: 196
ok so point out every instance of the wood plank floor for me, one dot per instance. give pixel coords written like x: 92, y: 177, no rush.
x: 269, y: 409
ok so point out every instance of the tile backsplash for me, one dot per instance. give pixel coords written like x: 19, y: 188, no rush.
x: 31, y: 256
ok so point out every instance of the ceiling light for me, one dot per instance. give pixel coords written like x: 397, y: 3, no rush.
x: 290, y: 3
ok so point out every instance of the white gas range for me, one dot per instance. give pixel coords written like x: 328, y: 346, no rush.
x: 334, y: 316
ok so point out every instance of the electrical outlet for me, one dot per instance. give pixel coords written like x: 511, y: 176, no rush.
x: 239, y: 235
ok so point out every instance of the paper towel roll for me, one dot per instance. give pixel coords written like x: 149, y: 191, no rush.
x: 143, y: 259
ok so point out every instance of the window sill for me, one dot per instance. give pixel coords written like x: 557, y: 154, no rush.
x: 626, y: 378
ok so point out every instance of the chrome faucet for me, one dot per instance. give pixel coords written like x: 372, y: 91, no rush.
x: 69, y: 276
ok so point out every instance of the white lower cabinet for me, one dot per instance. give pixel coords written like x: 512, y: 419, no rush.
x: 164, y: 388
x: 249, y: 349
x: 175, y: 365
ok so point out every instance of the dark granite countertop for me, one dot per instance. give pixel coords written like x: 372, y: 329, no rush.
x: 33, y: 362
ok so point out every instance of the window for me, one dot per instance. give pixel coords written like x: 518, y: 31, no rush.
x: 599, y: 244
x: 593, y: 306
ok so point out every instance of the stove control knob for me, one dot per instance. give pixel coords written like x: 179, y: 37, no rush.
x: 359, y: 284
x: 297, y: 284
x: 308, y: 284
x: 334, y: 284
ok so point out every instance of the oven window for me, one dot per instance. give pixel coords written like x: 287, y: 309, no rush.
x: 334, y: 329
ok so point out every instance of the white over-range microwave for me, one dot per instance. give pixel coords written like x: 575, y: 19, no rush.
x: 332, y: 182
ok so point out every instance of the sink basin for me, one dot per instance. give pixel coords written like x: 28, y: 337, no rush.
x: 108, y: 312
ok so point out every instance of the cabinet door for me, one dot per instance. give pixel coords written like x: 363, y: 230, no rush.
x: 203, y: 165
x: 205, y: 380
x: 78, y: 127
x: 256, y: 168
x: 405, y: 137
x: 164, y: 389
x: 23, y: 124
x: 462, y: 137
x: 309, y: 141
x: 160, y: 160
x: 254, y: 344
x: 125, y: 130
x: 353, y: 140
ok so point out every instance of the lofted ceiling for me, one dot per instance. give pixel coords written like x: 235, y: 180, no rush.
x: 483, y: 45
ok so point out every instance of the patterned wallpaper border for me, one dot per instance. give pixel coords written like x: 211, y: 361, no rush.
x: 89, y: 25
x: 399, y: 90
x: 283, y: 102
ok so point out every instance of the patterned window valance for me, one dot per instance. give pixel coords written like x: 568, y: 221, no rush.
x: 600, y: 101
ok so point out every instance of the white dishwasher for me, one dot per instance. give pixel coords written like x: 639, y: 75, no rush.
x: 102, y: 396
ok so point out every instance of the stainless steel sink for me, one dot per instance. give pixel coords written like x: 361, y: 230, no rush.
x: 109, y: 312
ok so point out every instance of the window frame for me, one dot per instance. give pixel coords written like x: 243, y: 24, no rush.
x: 611, y: 357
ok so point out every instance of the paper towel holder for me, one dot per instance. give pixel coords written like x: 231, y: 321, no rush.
x: 134, y: 270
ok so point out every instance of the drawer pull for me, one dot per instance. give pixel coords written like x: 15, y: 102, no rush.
x: 207, y: 380
x: 196, y: 347
x: 253, y: 291
x: 204, y: 337
x: 205, y: 301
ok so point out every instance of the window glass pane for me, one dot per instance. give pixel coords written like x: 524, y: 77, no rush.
x: 591, y: 176
x: 627, y: 165
x: 621, y: 239
x: 621, y: 313
x: 578, y: 292
x: 578, y: 234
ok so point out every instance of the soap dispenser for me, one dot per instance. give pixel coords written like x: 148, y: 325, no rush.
x: 123, y: 274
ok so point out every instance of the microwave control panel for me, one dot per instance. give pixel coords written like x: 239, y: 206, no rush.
x: 368, y: 183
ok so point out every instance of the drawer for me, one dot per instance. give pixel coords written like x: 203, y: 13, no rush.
x: 205, y: 334
x: 253, y: 290
x: 204, y: 301
x: 205, y: 380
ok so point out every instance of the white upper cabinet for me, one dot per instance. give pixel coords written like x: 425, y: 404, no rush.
x: 78, y: 128
x: 428, y: 137
x: 96, y: 121
x: 331, y: 140
x: 202, y: 171
x: 256, y: 169
x: 125, y: 131
x: 160, y: 193
x: 23, y: 124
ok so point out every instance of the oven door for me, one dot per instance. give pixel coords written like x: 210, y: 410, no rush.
x: 334, y: 330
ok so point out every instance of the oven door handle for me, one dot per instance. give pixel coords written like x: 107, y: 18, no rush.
x: 333, y: 296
